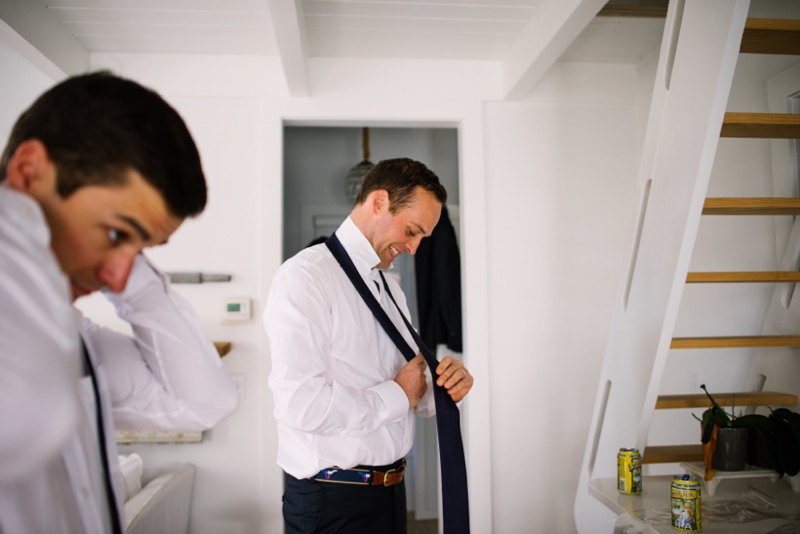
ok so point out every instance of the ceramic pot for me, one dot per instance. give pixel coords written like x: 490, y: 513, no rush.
x: 731, y: 449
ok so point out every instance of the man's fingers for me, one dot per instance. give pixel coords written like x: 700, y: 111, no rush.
x: 454, y: 377
x: 412, y: 379
x: 446, y: 379
x: 458, y: 376
x: 464, y: 383
x: 446, y: 362
x: 450, y: 372
x: 460, y: 390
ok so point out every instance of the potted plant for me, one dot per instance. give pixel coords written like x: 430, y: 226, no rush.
x: 778, y: 435
x: 724, y: 438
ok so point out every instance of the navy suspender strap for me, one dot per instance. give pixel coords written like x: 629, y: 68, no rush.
x: 455, y: 500
x: 116, y: 526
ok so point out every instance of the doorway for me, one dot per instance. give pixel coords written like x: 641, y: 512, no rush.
x: 316, y: 161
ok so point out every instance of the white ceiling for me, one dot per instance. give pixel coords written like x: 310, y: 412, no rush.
x: 453, y: 29
x: 525, y: 36
x: 168, y: 26
x: 434, y: 29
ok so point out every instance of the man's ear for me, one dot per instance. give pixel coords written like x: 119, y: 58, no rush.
x: 31, y: 171
x: 380, y: 200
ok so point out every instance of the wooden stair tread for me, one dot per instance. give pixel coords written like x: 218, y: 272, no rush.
x: 665, y: 454
x: 711, y: 277
x: 747, y: 398
x: 761, y: 125
x: 771, y: 36
x: 733, y: 342
x: 223, y: 347
x: 751, y: 206
x: 621, y: 10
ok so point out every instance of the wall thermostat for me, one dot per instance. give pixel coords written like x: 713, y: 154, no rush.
x: 235, y: 310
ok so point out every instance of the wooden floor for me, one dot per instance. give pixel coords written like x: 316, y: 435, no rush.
x: 430, y: 526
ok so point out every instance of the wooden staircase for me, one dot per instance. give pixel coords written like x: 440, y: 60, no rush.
x: 771, y: 36
x: 742, y: 277
x: 700, y: 48
x: 761, y: 36
x: 735, y: 342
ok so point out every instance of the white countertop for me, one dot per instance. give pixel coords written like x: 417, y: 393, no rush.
x: 655, y: 498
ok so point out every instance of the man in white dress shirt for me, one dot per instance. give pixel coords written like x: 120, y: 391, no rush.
x: 345, y: 397
x: 97, y: 169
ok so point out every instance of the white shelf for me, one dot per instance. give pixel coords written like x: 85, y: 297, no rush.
x: 698, y: 469
x: 656, y: 495
x: 127, y: 437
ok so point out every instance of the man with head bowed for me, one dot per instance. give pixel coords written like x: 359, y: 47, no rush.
x: 96, y: 170
x: 345, y: 396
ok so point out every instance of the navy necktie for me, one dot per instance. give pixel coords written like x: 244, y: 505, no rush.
x: 455, y: 500
x: 116, y: 525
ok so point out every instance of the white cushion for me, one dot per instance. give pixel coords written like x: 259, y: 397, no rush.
x: 131, y: 467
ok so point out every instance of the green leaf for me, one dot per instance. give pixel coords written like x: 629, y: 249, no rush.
x: 722, y: 418
x: 754, y: 421
x: 787, y: 439
x: 788, y: 415
x: 791, y: 418
x: 789, y: 448
x: 708, y: 430
x: 713, y: 402
x: 708, y: 415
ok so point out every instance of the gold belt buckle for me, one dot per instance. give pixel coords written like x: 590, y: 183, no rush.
x: 386, y: 476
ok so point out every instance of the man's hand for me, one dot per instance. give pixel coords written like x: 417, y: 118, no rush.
x: 454, y: 377
x: 412, y: 379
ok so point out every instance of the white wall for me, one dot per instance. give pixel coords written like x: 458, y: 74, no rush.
x: 224, y: 239
x: 20, y: 84
x: 561, y: 173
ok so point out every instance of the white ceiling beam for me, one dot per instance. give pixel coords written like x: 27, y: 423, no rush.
x: 551, y: 29
x: 287, y: 21
x: 37, y: 34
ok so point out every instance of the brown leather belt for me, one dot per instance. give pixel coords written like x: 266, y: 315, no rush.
x: 364, y: 476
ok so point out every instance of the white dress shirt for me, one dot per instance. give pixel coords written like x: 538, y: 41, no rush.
x: 167, y: 377
x: 333, y: 366
x: 39, y: 348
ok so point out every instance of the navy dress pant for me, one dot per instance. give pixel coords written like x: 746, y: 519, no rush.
x: 311, y: 506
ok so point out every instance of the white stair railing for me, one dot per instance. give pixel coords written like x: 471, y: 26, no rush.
x: 696, y: 65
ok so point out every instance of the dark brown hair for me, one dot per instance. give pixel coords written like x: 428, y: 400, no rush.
x: 399, y: 177
x: 97, y: 127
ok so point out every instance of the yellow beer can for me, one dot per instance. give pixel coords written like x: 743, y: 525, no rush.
x: 629, y: 470
x: 685, y: 504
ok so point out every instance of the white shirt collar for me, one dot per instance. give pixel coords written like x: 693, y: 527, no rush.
x: 358, y: 247
x: 25, y: 214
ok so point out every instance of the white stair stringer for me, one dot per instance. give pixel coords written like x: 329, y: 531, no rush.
x: 687, y: 109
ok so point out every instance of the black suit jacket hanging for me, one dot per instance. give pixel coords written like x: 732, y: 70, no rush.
x: 438, y: 277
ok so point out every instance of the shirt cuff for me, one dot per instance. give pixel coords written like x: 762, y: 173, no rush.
x: 142, y: 273
x: 394, y: 398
